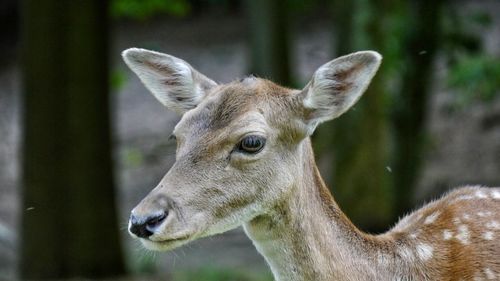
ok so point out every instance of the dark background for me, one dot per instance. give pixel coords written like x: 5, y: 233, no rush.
x: 81, y: 140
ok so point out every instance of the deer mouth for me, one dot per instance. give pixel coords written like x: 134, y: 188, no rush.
x: 166, y: 244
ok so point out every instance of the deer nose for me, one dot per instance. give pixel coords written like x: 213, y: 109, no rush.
x: 145, y: 226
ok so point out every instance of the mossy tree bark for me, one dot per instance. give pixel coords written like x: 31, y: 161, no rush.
x: 410, y: 107
x: 372, y: 169
x: 69, y: 218
x: 357, y: 142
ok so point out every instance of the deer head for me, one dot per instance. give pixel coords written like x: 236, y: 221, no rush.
x: 238, y: 144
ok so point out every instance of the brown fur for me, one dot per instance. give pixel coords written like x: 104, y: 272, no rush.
x: 280, y: 198
x: 451, y: 260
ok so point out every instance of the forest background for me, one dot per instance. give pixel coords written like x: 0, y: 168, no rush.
x: 81, y: 141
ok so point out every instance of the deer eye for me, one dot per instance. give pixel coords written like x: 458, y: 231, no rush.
x: 252, y: 144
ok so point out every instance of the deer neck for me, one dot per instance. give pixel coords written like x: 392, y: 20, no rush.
x: 308, y: 237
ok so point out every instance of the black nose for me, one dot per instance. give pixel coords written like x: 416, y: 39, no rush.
x: 144, y: 227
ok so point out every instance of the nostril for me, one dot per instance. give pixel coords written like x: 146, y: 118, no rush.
x: 138, y: 228
x: 153, y: 222
x: 144, y: 227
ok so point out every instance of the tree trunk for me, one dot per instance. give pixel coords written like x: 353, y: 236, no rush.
x: 69, y: 225
x: 410, y: 107
x: 357, y: 142
x: 269, y: 39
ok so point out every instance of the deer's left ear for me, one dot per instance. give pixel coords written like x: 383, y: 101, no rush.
x: 171, y: 80
x: 336, y: 86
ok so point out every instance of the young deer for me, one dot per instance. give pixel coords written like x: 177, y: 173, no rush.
x: 244, y: 157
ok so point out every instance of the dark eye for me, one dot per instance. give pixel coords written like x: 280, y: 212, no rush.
x: 252, y: 144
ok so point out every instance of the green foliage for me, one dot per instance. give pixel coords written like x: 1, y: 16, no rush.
x: 475, y: 77
x: 215, y: 274
x: 481, y: 18
x: 459, y: 35
x: 133, y: 157
x: 145, y: 9
x: 472, y: 73
x: 117, y: 79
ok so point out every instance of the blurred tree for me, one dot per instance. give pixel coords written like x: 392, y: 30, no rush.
x: 9, y: 28
x: 407, y: 34
x: 357, y: 142
x: 269, y: 39
x: 69, y: 225
x: 411, y: 103
x: 218, y: 7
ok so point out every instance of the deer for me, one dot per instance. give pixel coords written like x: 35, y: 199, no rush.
x: 244, y: 158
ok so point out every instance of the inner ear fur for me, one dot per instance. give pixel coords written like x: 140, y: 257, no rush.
x: 338, y: 85
x: 175, y: 83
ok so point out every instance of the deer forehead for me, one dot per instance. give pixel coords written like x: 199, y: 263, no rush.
x: 233, y: 109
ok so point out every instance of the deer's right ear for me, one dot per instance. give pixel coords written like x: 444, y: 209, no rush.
x: 172, y: 81
x: 336, y: 86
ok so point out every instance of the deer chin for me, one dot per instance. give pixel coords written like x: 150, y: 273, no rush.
x: 166, y: 244
x: 165, y: 241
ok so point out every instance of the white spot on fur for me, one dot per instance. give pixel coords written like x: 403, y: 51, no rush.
x: 481, y: 195
x: 463, y: 234
x: 465, y: 197
x: 495, y: 194
x: 447, y: 234
x: 415, y: 234
x: 456, y: 220
x: 431, y: 218
x: 488, y: 235
x: 424, y: 251
x: 484, y: 214
x: 489, y: 274
x: 466, y: 217
x: 406, y: 253
x: 409, y: 220
x: 493, y: 225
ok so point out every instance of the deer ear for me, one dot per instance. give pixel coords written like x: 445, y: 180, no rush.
x: 337, y: 85
x: 172, y: 81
